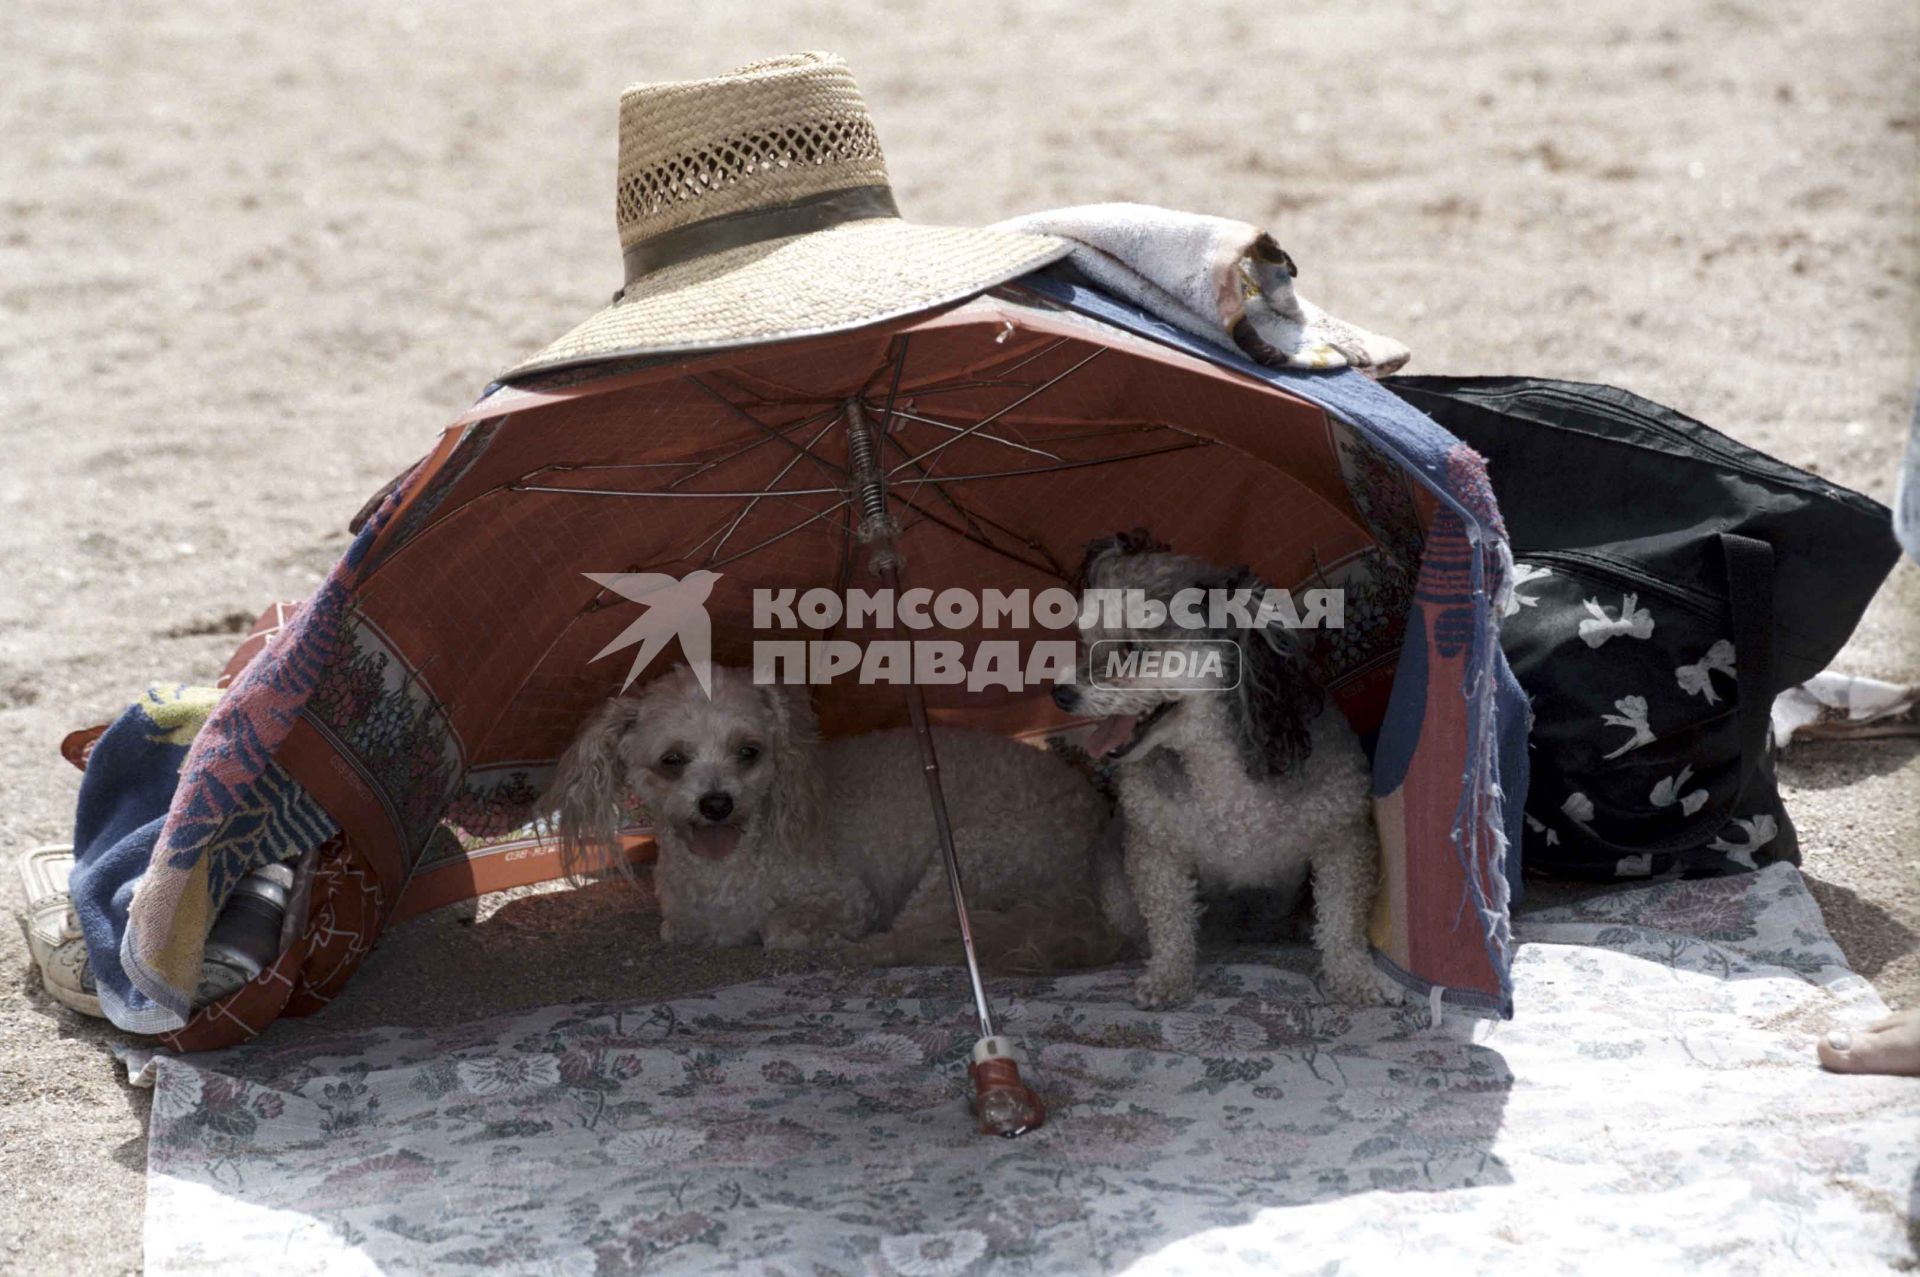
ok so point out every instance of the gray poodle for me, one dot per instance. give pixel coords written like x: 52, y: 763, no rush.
x: 1238, y: 776
x: 767, y: 835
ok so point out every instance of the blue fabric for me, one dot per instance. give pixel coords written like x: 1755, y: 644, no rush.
x: 129, y: 783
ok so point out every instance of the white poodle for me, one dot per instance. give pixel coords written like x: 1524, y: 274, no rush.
x: 767, y: 835
x: 1238, y: 776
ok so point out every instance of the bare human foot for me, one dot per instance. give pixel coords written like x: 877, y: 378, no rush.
x: 1890, y: 1046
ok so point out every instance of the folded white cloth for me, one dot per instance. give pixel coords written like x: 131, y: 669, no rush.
x: 1830, y: 705
x: 1224, y: 281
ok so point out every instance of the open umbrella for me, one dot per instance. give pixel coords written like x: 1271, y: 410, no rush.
x: 984, y: 447
x: 452, y: 654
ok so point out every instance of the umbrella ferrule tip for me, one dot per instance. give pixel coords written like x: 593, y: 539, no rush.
x: 994, y: 1047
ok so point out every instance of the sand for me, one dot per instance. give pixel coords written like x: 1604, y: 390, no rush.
x: 248, y: 267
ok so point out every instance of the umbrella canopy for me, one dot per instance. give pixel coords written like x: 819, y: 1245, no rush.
x: 455, y: 651
x: 1018, y: 436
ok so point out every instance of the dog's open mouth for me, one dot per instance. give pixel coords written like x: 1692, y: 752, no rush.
x: 714, y: 842
x: 1117, y: 735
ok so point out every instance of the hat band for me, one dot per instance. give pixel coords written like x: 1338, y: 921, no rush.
x: 755, y: 225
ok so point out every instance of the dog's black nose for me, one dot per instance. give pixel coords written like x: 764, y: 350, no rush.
x: 1066, y: 695
x: 716, y: 806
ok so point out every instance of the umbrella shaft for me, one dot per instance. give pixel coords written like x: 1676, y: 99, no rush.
x: 871, y: 490
x: 869, y: 480
x: 937, y: 798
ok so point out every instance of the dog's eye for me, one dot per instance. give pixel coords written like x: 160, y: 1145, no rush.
x: 673, y: 758
x: 747, y: 753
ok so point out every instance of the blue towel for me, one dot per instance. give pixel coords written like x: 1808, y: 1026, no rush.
x: 130, y: 779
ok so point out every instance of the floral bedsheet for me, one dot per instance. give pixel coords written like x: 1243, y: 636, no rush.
x: 1654, y: 1104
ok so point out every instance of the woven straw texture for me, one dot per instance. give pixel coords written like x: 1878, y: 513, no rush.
x: 845, y: 277
x: 762, y: 136
x: 765, y: 134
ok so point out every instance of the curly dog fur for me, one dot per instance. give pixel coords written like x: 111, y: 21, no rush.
x: 1248, y: 780
x: 767, y: 835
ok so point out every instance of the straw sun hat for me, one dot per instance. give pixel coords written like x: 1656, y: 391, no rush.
x: 754, y: 207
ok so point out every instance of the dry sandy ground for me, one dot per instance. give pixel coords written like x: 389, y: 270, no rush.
x: 248, y: 268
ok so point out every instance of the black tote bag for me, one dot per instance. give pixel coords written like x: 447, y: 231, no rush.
x: 1668, y: 583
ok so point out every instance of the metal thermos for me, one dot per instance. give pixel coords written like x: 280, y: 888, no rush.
x: 246, y: 936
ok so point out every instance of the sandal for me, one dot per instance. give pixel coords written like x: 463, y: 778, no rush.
x: 53, y: 932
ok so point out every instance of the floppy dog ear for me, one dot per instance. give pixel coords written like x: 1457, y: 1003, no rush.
x: 797, y: 803
x: 589, y: 792
x: 1137, y: 541
x: 1278, y: 697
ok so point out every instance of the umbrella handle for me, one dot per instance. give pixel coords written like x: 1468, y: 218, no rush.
x: 1003, y: 1104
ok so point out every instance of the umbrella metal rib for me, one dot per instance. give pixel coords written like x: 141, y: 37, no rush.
x: 976, y: 477
x: 828, y: 416
x: 953, y: 429
x: 1083, y: 464
x: 994, y: 416
x: 748, y: 509
x: 669, y: 494
x: 920, y: 463
x: 769, y: 431
x: 1000, y: 378
x: 974, y: 531
x: 758, y: 546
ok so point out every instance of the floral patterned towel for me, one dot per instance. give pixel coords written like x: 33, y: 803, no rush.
x: 1655, y: 1105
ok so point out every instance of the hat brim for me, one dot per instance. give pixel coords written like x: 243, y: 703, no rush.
x: 847, y: 276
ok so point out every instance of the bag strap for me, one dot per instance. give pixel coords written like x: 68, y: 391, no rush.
x: 1748, y: 565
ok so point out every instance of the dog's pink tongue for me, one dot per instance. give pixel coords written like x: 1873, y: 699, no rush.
x: 1110, y: 734
x: 715, y: 842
